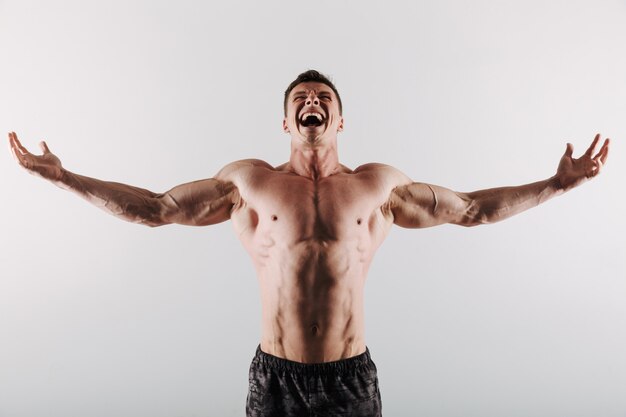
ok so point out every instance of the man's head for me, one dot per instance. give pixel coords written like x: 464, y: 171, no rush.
x: 312, y: 108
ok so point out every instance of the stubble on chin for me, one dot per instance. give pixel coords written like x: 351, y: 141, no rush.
x: 314, y: 139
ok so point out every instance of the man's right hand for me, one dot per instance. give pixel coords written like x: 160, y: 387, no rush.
x: 47, y: 166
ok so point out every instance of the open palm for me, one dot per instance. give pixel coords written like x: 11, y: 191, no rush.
x: 574, y: 171
x: 47, y: 165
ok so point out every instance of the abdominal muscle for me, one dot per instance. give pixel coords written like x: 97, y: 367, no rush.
x: 311, y: 242
x: 312, y: 301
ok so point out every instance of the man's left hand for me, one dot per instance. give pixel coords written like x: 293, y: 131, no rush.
x: 572, y: 172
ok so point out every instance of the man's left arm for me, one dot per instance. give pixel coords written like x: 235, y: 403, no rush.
x: 424, y: 205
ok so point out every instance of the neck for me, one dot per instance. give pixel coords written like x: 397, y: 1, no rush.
x: 314, y: 162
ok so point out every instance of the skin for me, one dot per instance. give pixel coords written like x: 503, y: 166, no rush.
x: 312, y: 225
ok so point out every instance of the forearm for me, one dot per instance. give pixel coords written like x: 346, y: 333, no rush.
x: 129, y: 203
x: 197, y: 203
x: 495, y: 204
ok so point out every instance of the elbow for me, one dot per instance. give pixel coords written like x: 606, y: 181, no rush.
x: 471, y: 222
x: 478, y: 219
x: 475, y: 215
x: 150, y: 221
x: 487, y: 215
x: 154, y: 214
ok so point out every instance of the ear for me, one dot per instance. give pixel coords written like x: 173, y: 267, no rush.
x: 285, y: 128
x: 340, y: 127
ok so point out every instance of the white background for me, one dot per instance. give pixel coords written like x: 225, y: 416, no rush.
x: 99, y: 317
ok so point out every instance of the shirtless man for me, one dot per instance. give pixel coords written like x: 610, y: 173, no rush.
x: 312, y: 227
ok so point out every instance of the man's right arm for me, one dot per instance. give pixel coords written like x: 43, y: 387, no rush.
x: 197, y: 203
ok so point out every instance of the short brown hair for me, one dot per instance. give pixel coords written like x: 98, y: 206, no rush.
x: 311, y: 76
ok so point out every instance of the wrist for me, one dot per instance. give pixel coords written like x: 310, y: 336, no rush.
x: 63, y: 179
x: 556, y: 184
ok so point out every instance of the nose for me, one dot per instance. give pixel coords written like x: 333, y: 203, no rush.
x: 312, y: 100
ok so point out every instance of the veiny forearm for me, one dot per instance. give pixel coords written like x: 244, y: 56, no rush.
x: 495, y: 204
x: 129, y: 203
x: 197, y: 203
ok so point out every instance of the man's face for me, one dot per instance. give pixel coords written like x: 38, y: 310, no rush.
x: 312, y: 113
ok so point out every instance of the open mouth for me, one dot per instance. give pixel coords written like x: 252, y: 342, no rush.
x: 311, y: 119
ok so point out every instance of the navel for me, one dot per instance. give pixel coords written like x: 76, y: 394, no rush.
x: 359, y: 221
x: 315, y: 329
x: 274, y: 217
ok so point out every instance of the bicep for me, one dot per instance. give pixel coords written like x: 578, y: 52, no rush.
x: 422, y: 205
x: 198, y: 203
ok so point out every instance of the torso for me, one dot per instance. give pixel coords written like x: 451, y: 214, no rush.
x: 312, y: 242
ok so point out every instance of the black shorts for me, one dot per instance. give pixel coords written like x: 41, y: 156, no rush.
x: 283, y: 388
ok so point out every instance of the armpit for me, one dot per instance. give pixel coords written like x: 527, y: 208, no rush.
x: 235, y: 198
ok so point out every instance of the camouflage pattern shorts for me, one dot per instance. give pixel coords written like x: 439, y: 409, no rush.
x: 283, y: 388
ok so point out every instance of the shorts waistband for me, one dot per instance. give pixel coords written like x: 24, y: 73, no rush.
x: 343, y: 365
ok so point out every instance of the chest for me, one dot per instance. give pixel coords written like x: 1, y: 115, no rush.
x: 298, y: 208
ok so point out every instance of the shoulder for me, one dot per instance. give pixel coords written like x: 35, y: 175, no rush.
x: 247, y: 163
x: 386, y: 173
x: 237, y: 168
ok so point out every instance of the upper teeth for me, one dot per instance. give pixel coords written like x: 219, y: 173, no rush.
x: 305, y: 115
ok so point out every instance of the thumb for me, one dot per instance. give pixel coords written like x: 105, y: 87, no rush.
x: 569, y: 150
x: 44, y: 147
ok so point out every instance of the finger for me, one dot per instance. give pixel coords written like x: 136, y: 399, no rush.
x: 599, y: 160
x: 605, y: 147
x: 13, y: 149
x: 602, y: 149
x: 13, y: 143
x: 19, y: 157
x: 605, y: 154
x: 602, y: 155
x: 597, y: 168
x: 44, y: 147
x: 592, y: 148
x: 600, y: 165
x: 19, y: 152
x: 13, y: 136
x: 19, y: 145
x: 10, y: 142
x: 569, y: 150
